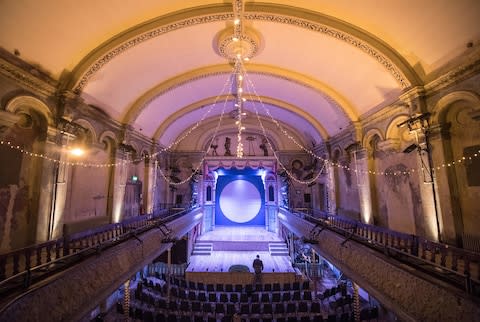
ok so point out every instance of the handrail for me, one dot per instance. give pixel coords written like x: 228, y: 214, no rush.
x: 21, y: 263
x: 455, y: 265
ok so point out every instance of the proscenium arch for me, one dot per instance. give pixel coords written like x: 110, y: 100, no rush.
x: 390, y: 59
x: 268, y: 100
x: 323, y: 89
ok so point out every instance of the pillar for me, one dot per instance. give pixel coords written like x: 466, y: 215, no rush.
x: 119, y: 184
x: 58, y: 194
x: 363, y: 185
x: 330, y: 188
x: 149, y: 185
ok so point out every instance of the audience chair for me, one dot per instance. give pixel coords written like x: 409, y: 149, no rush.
x: 267, y: 308
x: 212, y: 297
x: 219, y: 308
x: 234, y: 297
x: 276, y: 287
x: 265, y: 298
x: 202, y: 296
x: 276, y: 297
x: 196, y: 306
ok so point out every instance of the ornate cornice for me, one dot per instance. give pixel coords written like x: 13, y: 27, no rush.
x: 454, y: 75
x: 363, y: 45
x: 26, y: 79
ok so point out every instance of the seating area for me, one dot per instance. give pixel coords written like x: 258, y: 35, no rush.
x: 157, y: 298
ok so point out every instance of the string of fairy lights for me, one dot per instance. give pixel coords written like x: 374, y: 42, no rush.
x: 239, y: 77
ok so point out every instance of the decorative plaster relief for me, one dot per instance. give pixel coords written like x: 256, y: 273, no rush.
x: 312, y: 26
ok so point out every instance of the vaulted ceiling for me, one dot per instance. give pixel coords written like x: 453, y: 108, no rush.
x: 318, y: 65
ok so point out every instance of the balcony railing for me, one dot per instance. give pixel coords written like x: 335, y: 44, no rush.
x: 26, y: 265
x: 454, y: 265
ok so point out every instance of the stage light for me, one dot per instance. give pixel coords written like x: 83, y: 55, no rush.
x: 77, y: 151
x: 412, y: 147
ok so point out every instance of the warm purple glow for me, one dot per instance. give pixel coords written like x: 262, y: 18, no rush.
x: 240, y: 201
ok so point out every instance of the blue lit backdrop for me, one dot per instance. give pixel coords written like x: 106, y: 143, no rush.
x: 240, y: 197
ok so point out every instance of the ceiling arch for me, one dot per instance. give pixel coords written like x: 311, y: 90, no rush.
x: 170, y: 121
x: 299, y: 17
x: 322, y: 64
x: 334, y: 98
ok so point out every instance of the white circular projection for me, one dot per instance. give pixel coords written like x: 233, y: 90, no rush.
x: 240, y: 201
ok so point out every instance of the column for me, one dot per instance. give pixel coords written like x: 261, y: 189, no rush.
x: 363, y: 184
x: 119, y: 184
x: 330, y: 188
x: 149, y: 185
x: 58, y: 194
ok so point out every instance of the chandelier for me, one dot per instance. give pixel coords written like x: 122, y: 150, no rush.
x: 238, y: 46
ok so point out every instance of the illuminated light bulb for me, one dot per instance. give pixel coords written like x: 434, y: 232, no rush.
x: 244, y: 99
x: 235, y: 39
x: 236, y: 21
x: 240, y: 77
x: 246, y: 59
x: 77, y: 152
x: 240, y: 90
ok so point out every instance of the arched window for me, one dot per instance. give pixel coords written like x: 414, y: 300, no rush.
x: 209, y: 193
x: 271, y: 195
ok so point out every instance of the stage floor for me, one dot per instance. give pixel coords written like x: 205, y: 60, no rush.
x: 234, y: 233
x: 221, y: 261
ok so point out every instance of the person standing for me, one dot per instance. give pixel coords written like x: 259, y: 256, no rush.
x: 257, y: 268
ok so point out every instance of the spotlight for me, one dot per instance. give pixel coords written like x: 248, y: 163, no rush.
x: 412, y: 147
x: 77, y: 152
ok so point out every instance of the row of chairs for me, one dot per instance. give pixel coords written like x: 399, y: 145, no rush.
x: 208, y: 313
x: 333, y: 291
x: 342, y: 303
x: 240, y: 297
x: 220, y: 287
x: 367, y: 314
x: 161, y: 317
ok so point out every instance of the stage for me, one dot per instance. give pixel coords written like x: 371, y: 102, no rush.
x: 234, y: 248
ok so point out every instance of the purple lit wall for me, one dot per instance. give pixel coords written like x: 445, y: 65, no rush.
x: 240, y: 198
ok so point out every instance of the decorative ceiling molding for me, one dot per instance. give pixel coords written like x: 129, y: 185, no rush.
x: 339, y: 35
x: 26, y: 79
x: 372, y: 46
x: 329, y: 94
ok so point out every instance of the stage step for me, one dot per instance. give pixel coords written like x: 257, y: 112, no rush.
x: 202, y: 249
x: 278, y: 249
